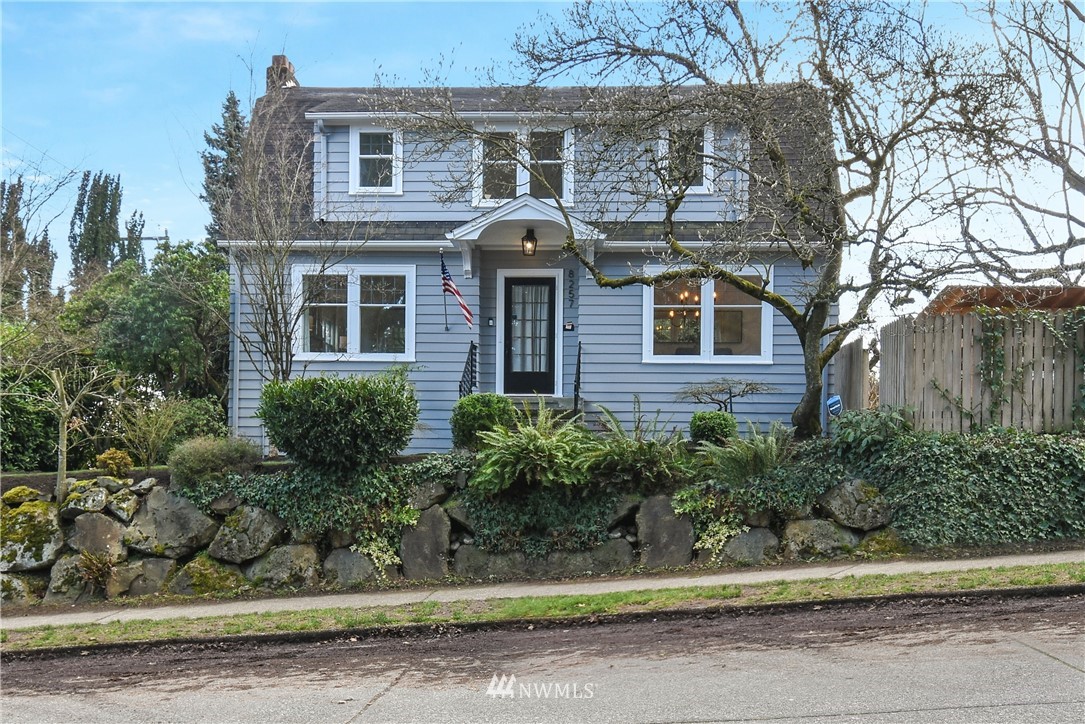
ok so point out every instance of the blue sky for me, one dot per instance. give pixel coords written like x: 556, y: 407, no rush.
x: 130, y: 88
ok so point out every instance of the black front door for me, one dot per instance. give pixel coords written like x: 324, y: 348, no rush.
x: 529, y: 336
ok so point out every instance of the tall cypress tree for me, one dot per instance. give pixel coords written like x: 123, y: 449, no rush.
x: 94, y: 235
x: 222, y: 163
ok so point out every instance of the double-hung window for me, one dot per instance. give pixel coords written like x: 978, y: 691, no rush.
x: 355, y: 312
x: 695, y: 320
x: 376, y: 161
x: 687, y: 154
x: 521, y: 162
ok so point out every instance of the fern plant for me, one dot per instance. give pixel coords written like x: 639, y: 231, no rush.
x: 744, y: 458
x: 647, y: 458
x: 544, y: 452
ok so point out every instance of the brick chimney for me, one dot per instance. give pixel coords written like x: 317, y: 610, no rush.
x: 280, y: 74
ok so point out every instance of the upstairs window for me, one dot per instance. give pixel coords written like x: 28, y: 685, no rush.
x: 499, y: 167
x: 706, y: 321
x: 356, y: 312
x: 686, y: 153
x: 377, y: 166
x: 514, y: 163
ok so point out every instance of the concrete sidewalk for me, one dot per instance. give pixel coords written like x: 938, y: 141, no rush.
x: 518, y: 590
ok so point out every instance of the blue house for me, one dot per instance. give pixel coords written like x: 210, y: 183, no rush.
x: 400, y: 202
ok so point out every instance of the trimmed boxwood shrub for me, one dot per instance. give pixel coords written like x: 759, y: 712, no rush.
x: 340, y: 425
x: 480, y: 413
x: 991, y: 487
x: 193, y: 461
x: 714, y: 426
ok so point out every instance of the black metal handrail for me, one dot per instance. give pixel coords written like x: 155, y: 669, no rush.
x: 469, y: 378
x: 576, y: 378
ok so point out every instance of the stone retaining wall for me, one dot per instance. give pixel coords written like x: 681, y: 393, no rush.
x: 115, y: 537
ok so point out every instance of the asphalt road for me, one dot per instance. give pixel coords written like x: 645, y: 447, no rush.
x: 1012, y: 660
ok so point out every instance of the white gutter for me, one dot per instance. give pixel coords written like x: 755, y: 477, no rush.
x: 235, y: 372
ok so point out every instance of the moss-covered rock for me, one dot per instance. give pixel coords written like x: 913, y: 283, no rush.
x: 882, y: 544
x: 23, y: 494
x: 296, y: 566
x: 66, y: 583
x: 30, y: 536
x: 22, y: 590
x: 203, y: 575
x: 123, y: 504
x: 84, y: 497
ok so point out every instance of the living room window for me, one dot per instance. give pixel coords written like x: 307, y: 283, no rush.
x: 520, y: 162
x: 356, y: 312
x: 706, y: 321
x: 377, y: 166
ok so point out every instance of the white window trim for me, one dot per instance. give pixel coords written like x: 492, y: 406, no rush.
x: 396, y: 189
x: 707, y: 313
x: 708, y: 171
x: 523, y: 175
x: 353, y: 272
x: 559, y: 322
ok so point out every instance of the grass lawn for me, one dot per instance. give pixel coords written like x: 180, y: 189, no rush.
x: 540, y: 608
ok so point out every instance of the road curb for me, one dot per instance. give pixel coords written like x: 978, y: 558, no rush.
x: 410, y: 630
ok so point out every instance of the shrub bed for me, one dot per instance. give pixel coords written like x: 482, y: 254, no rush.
x: 997, y: 486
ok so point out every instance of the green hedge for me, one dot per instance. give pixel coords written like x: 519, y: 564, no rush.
x: 28, y: 429
x: 340, y: 425
x: 480, y: 413
x: 999, y: 486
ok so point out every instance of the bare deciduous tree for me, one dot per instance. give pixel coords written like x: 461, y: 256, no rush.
x: 847, y: 129
x: 269, y: 222
x: 1031, y: 176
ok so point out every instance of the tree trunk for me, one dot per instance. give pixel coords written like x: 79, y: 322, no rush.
x: 806, y: 417
x: 62, y: 461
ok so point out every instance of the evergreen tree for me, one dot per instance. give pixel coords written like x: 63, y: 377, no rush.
x: 26, y: 267
x: 131, y: 246
x: 94, y: 235
x: 222, y: 162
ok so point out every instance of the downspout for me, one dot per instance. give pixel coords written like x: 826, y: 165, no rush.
x: 322, y: 146
x: 824, y: 395
x: 235, y: 352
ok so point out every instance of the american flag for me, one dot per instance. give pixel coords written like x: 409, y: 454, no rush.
x: 449, y: 287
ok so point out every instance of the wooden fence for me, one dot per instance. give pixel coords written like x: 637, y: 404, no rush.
x: 933, y: 365
x: 853, y: 375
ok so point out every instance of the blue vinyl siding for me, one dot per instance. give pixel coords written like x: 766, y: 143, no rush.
x: 613, y: 367
x: 607, y: 321
x: 417, y: 202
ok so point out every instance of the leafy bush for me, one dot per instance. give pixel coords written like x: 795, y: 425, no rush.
x: 115, y: 462
x: 340, y: 425
x: 28, y: 429
x: 716, y: 518
x: 714, y: 426
x: 371, y: 505
x: 443, y: 468
x: 646, y: 459
x: 744, y: 458
x: 860, y: 435
x: 480, y: 413
x: 991, y: 487
x: 810, y: 469
x: 198, y: 417
x: 546, y: 453
x: 146, y: 426
x: 193, y: 461
x: 541, y: 520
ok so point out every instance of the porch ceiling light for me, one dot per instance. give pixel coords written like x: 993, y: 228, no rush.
x: 529, y: 243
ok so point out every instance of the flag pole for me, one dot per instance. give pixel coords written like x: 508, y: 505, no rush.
x: 444, y: 296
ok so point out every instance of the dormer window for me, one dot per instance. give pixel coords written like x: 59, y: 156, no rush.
x: 686, y: 152
x: 524, y: 162
x: 377, y: 161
